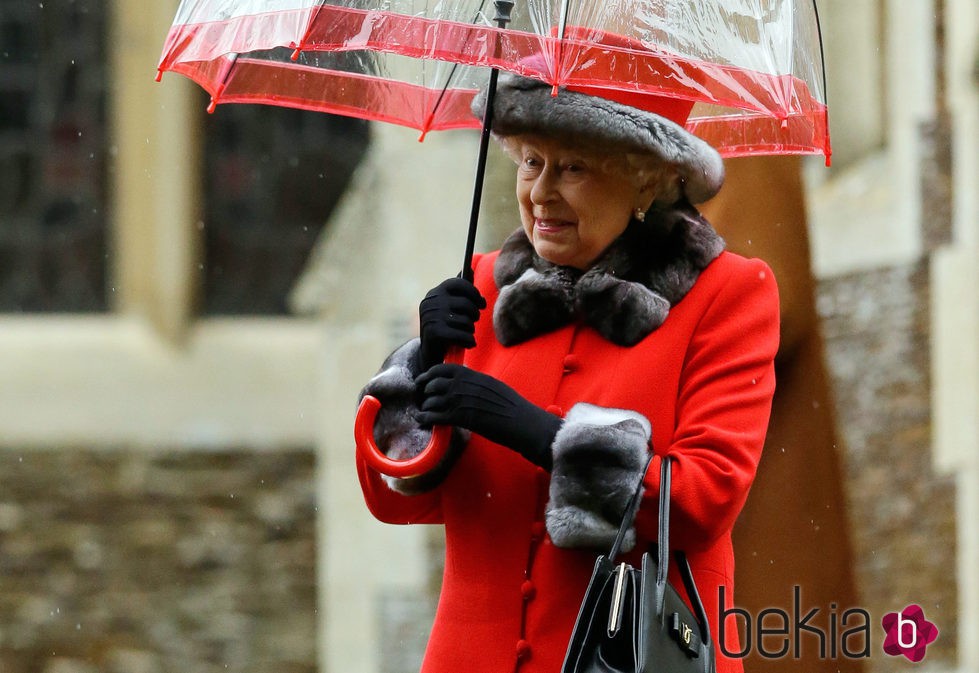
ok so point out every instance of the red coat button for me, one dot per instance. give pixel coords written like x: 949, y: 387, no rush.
x: 523, y: 650
x: 571, y: 363
x: 556, y: 410
x: 528, y: 590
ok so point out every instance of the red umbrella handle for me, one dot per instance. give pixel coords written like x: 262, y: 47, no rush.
x: 424, y: 462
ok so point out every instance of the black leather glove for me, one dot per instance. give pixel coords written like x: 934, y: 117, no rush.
x: 447, y: 317
x: 456, y: 395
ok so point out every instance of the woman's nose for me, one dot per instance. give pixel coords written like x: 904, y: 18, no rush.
x: 544, y: 188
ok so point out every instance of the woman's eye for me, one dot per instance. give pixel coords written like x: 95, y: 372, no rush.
x: 530, y: 165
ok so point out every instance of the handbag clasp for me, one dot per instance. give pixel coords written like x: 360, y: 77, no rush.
x: 618, y: 601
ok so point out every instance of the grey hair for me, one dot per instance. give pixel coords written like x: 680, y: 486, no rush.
x: 639, y: 169
x: 644, y: 169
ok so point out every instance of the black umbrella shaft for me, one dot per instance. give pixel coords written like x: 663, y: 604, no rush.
x: 467, y: 270
x: 502, y: 18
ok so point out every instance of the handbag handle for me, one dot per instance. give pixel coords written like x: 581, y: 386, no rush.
x: 629, y: 515
x: 663, y: 543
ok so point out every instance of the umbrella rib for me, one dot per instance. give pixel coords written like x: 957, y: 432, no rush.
x: 559, y: 56
x: 298, y: 47
x: 223, y: 84
x: 827, y: 152
x: 448, y: 81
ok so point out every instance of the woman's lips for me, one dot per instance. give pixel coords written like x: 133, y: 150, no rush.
x: 548, y: 226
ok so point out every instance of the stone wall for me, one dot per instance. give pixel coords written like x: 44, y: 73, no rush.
x: 876, y: 325
x: 122, y: 561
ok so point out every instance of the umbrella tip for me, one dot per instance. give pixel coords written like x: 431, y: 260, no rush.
x: 159, y: 74
x: 295, y: 53
x: 212, y: 105
x: 426, y: 125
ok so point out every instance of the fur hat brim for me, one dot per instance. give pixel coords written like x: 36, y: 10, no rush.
x: 526, y: 105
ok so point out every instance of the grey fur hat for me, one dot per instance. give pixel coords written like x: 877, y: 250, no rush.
x: 526, y: 105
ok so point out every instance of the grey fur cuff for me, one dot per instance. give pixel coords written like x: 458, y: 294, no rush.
x: 599, y: 458
x: 396, y: 431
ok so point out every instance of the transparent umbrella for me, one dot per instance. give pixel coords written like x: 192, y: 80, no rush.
x: 753, y: 68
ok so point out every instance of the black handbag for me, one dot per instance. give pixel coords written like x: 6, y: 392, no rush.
x: 632, y: 620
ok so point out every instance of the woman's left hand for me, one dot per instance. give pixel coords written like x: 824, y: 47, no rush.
x: 459, y: 396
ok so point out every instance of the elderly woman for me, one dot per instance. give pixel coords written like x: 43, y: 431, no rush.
x: 614, y: 327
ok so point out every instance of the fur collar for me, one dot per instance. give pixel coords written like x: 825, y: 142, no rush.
x: 625, y: 295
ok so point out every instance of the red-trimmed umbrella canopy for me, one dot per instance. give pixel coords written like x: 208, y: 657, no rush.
x: 752, y: 68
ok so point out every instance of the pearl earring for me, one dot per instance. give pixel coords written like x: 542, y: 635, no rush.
x: 639, y: 214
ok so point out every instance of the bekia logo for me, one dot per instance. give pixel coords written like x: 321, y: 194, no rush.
x: 908, y: 632
x: 775, y: 633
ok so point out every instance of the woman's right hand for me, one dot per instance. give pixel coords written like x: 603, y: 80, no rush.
x: 447, y: 317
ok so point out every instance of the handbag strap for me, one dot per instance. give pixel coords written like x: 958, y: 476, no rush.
x: 663, y: 537
x: 629, y: 515
x: 663, y: 542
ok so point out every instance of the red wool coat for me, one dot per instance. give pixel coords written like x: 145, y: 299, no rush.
x: 704, y: 379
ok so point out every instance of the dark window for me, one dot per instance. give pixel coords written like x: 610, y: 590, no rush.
x: 53, y: 253
x: 273, y: 176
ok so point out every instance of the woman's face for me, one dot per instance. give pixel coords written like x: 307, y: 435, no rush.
x: 571, y: 205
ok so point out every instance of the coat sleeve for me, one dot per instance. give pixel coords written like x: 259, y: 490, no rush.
x: 399, y: 436
x: 599, y: 455
x: 722, y: 411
